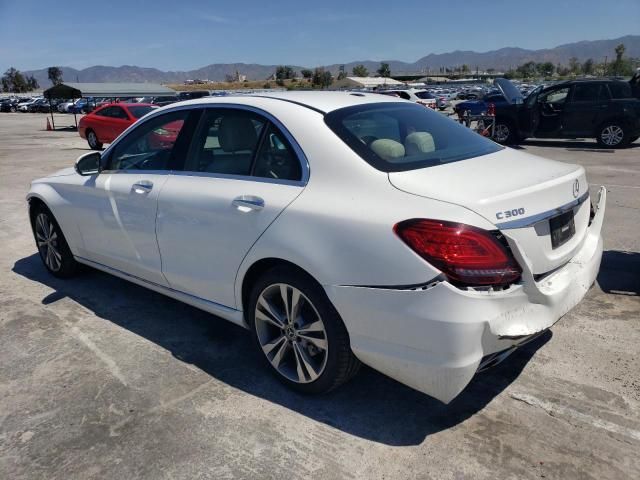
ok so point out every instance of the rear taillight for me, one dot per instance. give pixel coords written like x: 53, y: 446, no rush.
x: 466, y: 255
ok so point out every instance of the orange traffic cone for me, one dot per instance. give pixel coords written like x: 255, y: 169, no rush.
x: 48, y: 125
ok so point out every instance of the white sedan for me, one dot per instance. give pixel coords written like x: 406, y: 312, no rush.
x: 338, y: 227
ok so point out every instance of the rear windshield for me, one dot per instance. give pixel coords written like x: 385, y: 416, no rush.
x: 395, y: 137
x: 140, y: 111
x: 424, y: 95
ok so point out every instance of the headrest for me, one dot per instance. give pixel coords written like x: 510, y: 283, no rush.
x: 237, y: 133
x: 419, y: 142
x: 387, y: 149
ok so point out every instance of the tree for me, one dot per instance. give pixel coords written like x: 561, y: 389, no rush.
x: 545, y: 69
x: 465, y: 68
x: 14, y: 81
x: 55, y: 75
x: 285, y: 72
x: 621, y: 66
x: 384, y: 70
x: 588, y: 67
x: 574, y: 66
x: 341, y: 75
x: 526, y: 70
x: 322, y: 78
x: 307, y: 73
x: 360, y: 71
x: 32, y: 83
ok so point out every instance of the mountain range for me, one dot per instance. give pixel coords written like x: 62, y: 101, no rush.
x: 501, y: 59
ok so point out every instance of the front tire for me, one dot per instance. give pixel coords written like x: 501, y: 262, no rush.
x: 92, y: 140
x: 299, y: 333
x: 613, y: 135
x: 52, y: 246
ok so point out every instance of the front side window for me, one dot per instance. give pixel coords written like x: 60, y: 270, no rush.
x: 149, y: 147
x: 398, y: 137
x: 556, y: 96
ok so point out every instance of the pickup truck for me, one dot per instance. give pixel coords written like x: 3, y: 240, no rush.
x: 605, y: 109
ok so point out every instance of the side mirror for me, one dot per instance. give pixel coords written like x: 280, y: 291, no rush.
x: 88, y: 164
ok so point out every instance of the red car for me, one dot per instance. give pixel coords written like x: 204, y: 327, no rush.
x: 104, y: 124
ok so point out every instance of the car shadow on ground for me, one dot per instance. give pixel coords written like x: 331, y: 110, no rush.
x: 371, y: 406
x: 576, y: 145
x: 620, y: 273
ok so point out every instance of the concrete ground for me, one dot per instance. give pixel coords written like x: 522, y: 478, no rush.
x: 103, y: 379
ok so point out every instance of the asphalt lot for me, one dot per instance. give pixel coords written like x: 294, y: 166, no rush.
x: 103, y: 379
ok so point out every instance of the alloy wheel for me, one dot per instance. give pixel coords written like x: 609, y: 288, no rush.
x: 93, y: 140
x: 47, y: 240
x: 291, y: 333
x: 501, y: 132
x: 612, y: 135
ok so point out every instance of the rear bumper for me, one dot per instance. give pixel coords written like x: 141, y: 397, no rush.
x: 434, y: 338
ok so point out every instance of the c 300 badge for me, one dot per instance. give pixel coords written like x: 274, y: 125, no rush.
x: 516, y: 212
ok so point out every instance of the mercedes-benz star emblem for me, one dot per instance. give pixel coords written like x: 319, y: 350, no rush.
x: 576, y: 188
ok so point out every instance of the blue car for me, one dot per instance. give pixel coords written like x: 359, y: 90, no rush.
x: 477, y: 107
x: 78, y: 106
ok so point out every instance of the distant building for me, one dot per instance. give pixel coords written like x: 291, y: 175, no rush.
x: 365, y: 82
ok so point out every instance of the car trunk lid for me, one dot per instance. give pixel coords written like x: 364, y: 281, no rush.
x: 523, y: 195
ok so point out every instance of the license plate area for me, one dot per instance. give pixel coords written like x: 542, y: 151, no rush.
x: 562, y: 228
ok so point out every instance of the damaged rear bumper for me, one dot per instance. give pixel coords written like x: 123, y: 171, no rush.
x: 434, y: 338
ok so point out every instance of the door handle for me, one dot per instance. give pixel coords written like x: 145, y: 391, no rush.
x: 143, y: 186
x: 248, y: 202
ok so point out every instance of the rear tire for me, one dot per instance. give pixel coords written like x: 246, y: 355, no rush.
x: 92, y: 140
x: 299, y: 333
x: 613, y: 135
x: 52, y: 246
x: 504, y: 132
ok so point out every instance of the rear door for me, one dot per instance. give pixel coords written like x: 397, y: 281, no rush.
x: 586, y: 108
x: 241, y: 172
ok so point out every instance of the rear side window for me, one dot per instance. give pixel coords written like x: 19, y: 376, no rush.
x: 589, y: 92
x: 396, y: 137
x: 225, y: 142
x: 239, y: 142
x: 139, y: 112
x: 276, y: 159
x: 620, y: 90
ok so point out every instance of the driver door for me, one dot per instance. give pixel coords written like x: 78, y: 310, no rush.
x: 119, y: 208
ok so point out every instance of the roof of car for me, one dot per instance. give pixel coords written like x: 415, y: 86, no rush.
x: 322, y: 102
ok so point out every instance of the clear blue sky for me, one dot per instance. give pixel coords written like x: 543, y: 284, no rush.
x: 182, y: 35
